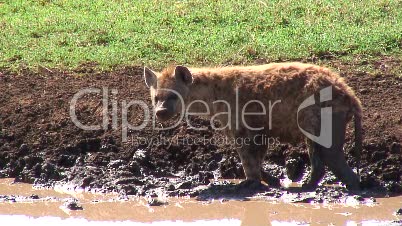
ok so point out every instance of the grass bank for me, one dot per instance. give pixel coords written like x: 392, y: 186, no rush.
x: 61, y: 33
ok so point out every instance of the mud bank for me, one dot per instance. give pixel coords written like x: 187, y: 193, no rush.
x: 40, y: 144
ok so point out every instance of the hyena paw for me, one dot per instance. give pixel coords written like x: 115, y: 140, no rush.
x: 309, y: 186
x: 251, y: 184
x: 271, y: 180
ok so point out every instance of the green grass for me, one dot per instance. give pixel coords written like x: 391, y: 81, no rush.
x: 66, y: 33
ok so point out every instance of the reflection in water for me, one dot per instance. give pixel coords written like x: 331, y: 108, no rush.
x: 256, y: 215
x: 107, y: 209
x: 25, y: 220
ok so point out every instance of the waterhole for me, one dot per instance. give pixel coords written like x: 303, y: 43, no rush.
x: 21, y: 203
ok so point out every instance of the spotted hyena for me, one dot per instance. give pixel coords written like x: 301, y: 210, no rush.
x: 258, y: 87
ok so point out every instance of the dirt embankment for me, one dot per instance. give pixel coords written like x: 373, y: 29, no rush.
x: 40, y: 144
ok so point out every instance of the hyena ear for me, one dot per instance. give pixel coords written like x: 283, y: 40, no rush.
x: 182, y: 73
x: 149, y: 77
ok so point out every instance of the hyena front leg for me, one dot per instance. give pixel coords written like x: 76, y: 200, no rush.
x: 251, y: 151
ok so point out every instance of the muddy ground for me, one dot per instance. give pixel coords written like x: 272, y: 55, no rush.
x: 40, y: 144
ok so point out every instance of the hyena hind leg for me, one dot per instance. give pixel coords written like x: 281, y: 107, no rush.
x: 316, y: 164
x: 334, y: 156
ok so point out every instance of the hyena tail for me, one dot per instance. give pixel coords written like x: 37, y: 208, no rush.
x: 358, y: 139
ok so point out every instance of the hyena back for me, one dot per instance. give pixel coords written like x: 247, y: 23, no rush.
x: 276, y: 91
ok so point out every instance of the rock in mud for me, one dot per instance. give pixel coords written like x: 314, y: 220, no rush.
x: 156, y: 202
x: 184, y: 185
x: 358, y: 198
x: 33, y: 196
x: 303, y: 199
x: 72, y: 204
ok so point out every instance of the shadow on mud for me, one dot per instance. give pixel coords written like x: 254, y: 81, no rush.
x: 231, y: 191
x: 324, y: 194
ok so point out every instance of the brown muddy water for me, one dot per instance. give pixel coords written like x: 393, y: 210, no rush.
x: 20, y: 203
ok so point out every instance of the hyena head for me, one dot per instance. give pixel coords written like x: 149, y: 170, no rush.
x: 168, y: 90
